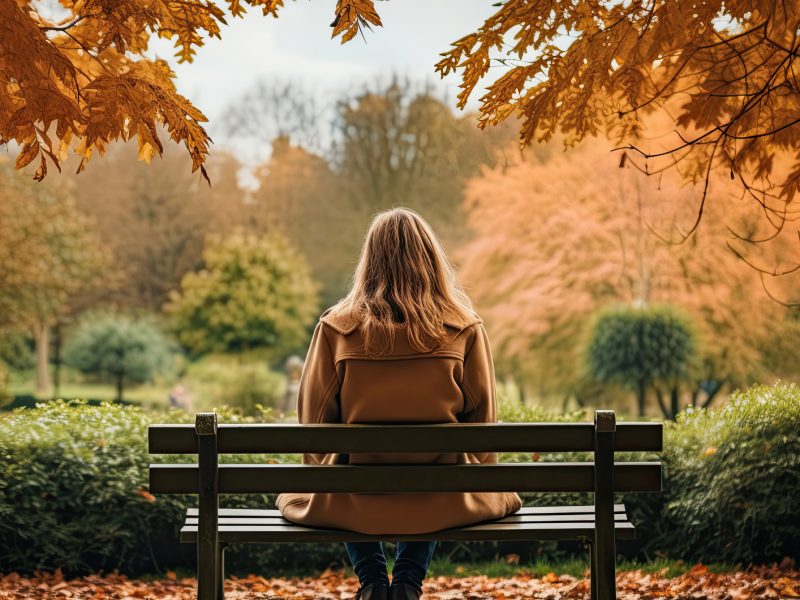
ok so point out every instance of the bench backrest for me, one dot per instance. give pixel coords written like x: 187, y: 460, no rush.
x: 603, y: 438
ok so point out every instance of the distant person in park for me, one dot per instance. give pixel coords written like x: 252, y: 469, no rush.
x: 405, y: 345
x: 180, y: 400
x: 294, y: 369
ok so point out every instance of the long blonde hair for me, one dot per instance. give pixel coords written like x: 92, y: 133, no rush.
x: 404, y: 278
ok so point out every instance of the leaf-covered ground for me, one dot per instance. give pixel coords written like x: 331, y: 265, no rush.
x: 776, y: 581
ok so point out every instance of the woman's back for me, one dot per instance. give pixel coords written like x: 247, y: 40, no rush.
x: 402, y: 385
x: 343, y: 384
x: 404, y: 346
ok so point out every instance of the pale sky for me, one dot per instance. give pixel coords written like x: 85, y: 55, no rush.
x: 298, y: 46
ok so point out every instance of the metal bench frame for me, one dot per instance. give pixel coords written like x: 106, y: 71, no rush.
x: 599, y: 525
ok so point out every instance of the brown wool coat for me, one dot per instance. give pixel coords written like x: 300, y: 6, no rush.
x: 341, y: 384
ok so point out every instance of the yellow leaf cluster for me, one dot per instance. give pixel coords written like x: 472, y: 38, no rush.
x: 84, y: 82
x: 352, y: 16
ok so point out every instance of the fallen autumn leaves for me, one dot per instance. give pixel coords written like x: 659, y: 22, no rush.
x: 698, y: 584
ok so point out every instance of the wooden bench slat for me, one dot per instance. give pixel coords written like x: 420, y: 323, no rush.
x: 508, y: 477
x: 525, y: 510
x: 449, y: 437
x: 280, y: 521
x: 493, y: 532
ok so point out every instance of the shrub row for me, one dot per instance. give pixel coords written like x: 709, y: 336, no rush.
x: 73, y: 492
x: 732, y: 482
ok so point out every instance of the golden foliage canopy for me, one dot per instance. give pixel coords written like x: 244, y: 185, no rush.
x: 725, y: 69
x: 84, y: 81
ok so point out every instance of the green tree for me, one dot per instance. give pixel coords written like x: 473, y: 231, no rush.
x: 254, y: 293
x: 117, y: 347
x: 639, y: 346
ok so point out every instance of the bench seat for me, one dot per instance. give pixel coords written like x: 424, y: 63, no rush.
x: 530, y: 523
x: 599, y: 526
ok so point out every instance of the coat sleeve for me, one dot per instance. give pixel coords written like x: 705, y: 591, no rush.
x: 318, y: 396
x: 478, y: 386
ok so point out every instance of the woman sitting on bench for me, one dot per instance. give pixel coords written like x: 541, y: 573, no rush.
x: 404, y: 346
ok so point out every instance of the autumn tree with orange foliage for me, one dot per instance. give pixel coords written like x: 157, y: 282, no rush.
x: 728, y: 64
x: 299, y: 197
x: 725, y: 69
x: 85, y: 81
x: 393, y: 143
x: 555, y: 241
x: 49, y: 253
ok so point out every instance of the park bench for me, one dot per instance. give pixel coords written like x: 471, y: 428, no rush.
x: 600, y: 525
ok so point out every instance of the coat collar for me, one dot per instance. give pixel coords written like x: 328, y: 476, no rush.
x: 343, y: 322
x: 346, y: 322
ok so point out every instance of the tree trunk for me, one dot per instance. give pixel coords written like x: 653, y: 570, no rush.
x: 57, y: 361
x: 696, y: 395
x: 119, y: 386
x: 640, y: 395
x: 41, y: 332
x: 661, y: 403
x: 675, y: 402
x: 565, y: 405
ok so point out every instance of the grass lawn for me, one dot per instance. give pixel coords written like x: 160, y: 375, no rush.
x: 576, y: 567
x: 148, y: 395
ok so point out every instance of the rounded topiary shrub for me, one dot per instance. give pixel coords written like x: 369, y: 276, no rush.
x: 116, y: 347
x: 637, y: 346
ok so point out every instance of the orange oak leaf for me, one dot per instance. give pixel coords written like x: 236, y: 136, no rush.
x: 146, y: 495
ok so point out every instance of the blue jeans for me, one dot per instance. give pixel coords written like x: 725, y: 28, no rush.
x: 410, y: 567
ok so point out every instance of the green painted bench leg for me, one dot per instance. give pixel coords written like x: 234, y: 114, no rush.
x: 208, y: 517
x: 605, y: 535
x: 605, y: 568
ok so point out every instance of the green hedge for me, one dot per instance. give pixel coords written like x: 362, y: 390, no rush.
x: 73, y: 477
x: 732, y: 481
